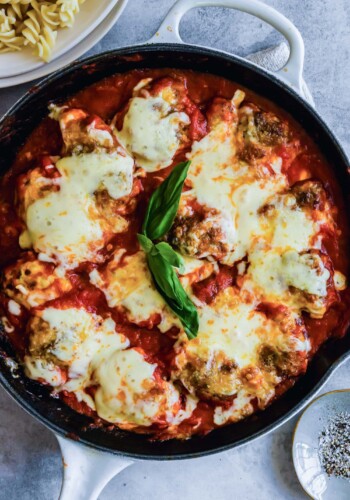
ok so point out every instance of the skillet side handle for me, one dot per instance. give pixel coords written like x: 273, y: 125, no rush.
x: 86, y: 471
x: 291, y: 73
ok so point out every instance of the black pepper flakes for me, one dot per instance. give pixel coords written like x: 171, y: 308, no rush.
x: 334, y: 446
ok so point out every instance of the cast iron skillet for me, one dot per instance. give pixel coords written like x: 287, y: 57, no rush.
x: 30, y: 110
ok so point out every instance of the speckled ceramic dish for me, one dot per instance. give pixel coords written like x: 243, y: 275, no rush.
x: 316, y: 483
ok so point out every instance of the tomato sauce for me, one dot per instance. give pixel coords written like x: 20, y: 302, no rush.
x: 301, y: 160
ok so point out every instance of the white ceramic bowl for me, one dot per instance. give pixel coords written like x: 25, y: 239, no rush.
x: 91, y: 14
x: 316, y: 483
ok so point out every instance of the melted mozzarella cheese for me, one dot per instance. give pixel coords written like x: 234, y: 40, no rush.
x: 86, y: 351
x: 7, y: 325
x: 221, y: 182
x: 82, y: 342
x: 65, y: 224
x: 233, y: 327
x: 280, y: 270
x: 130, y: 285
x: 129, y: 394
x: 31, y: 284
x: 248, y: 199
x: 226, y: 356
x: 271, y: 274
x: 44, y: 371
x: 340, y: 281
x: 275, y: 272
x: 125, y: 380
x: 240, y: 408
x: 14, y: 308
x: 151, y: 132
x: 195, y: 270
x: 285, y: 225
x: 213, y: 173
x: 103, y: 138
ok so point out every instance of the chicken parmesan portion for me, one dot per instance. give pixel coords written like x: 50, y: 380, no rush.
x: 132, y: 393
x: 82, y: 353
x: 82, y: 132
x: 62, y: 213
x: 219, y: 210
x: 32, y: 282
x: 128, y: 286
x: 302, y: 281
x: 66, y: 345
x: 241, y: 350
x: 157, y: 122
x: 260, y: 133
x: 88, y: 133
x: 174, y: 250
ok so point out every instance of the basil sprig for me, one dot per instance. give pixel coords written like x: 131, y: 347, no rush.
x: 161, y: 257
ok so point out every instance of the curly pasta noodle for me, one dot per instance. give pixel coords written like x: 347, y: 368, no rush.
x: 35, y: 23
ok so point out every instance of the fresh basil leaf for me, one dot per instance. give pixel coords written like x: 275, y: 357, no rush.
x: 163, y: 274
x: 145, y: 242
x: 169, y: 254
x: 172, y: 291
x: 161, y: 258
x: 164, y: 203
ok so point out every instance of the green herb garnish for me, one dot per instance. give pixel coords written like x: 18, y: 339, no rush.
x: 161, y: 257
x: 164, y: 203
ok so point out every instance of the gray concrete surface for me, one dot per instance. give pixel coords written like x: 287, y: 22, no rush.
x: 30, y: 464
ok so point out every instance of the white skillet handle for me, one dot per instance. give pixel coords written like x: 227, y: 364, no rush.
x: 291, y: 73
x: 86, y: 471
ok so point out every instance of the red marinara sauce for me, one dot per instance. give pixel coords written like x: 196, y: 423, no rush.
x: 105, y: 99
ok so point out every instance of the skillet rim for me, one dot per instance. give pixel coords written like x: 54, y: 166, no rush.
x: 222, y: 56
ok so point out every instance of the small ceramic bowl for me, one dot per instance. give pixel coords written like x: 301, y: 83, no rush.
x: 316, y: 483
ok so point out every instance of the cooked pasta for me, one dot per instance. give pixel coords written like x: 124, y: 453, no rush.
x: 34, y: 23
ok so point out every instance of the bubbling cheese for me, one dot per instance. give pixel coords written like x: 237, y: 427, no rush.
x: 14, y: 308
x: 130, y: 393
x: 31, y: 283
x: 285, y: 225
x: 240, y: 408
x: 130, y: 286
x: 125, y: 379
x: 81, y: 342
x: 220, y: 181
x: 236, y: 328
x: 248, y: 199
x: 65, y: 224
x: 227, y: 358
x: 296, y: 280
x: 44, y: 371
x: 86, y: 350
x: 151, y: 132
